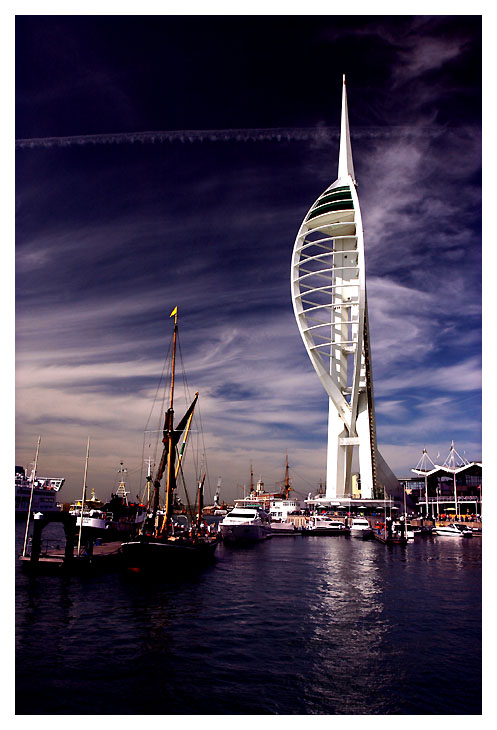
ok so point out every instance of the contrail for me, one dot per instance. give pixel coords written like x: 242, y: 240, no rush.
x: 182, y: 135
x: 278, y: 134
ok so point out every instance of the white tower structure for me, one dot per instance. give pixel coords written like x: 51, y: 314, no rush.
x: 328, y: 281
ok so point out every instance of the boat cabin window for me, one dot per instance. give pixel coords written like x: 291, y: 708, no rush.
x: 242, y: 514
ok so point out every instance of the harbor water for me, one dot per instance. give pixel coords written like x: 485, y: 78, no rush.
x: 290, y: 626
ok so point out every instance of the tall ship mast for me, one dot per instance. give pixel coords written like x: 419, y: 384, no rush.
x: 328, y: 286
x: 162, y: 540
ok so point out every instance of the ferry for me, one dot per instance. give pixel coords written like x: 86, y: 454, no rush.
x: 44, y: 489
x: 280, y: 509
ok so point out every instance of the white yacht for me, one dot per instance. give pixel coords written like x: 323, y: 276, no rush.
x: 285, y: 528
x: 360, y: 528
x: 245, y: 524
x: 452, y: 531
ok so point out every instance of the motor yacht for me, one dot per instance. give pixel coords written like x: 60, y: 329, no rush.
x: 322, y: 525
x: 452, y: 530
x: 285, y: 528
x: 245, y: 524
x: 360, y: 528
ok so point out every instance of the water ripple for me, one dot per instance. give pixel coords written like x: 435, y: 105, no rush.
x: 292, y: 626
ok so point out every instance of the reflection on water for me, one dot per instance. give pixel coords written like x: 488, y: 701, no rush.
x: 314, y: 625
x: 346, y: 625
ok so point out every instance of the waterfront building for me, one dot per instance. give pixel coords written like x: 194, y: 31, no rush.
x: 452, y: 487
x: 328, y: 284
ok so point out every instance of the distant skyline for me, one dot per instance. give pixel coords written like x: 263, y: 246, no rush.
x: 115, y: 227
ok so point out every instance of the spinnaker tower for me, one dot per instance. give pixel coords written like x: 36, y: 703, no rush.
x: 328, y: 282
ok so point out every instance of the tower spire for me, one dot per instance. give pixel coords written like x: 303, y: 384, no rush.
x: 345, y: 163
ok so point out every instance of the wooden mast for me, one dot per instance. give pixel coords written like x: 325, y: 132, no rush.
x: 178, y: 465
x: 200, y: 501
x: 170, y: 461
x: 287, y: 479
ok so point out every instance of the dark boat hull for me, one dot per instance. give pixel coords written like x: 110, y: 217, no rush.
x: 149, y: 553
x: 387, y: 540
x: 325, y: 531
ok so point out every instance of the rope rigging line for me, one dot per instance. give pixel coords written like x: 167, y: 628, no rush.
x: 162, y: 383
x: 196, y: 418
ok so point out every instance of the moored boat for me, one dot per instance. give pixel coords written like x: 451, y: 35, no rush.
x: 245, y: 523
x: 361, y: 528
x: 93, y: 514
x: 452, y: 530
x: 161, y: 542
x: 285, y: 528
x: 41, y: 491
x: 322, y: 525
x: 280, y: 509
x: 110, y: 520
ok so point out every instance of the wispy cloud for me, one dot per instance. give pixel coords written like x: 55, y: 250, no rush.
x: 460, y: 377
x: 423, y: 53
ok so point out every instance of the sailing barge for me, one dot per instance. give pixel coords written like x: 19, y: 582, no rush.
x: 162, y: 541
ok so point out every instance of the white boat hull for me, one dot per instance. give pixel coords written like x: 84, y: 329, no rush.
x: 361, y: 532
x: 449, y: 534
x: 93, y: 523
x: 284, y: 528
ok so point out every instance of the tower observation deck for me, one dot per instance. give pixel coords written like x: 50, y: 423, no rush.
x: 328, y: 282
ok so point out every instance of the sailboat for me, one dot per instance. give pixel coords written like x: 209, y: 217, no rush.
x: 161, y: 540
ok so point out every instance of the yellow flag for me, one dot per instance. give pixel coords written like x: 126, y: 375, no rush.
x: 175, y: 311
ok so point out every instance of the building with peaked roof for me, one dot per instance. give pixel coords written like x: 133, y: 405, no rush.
x: 453, y: 487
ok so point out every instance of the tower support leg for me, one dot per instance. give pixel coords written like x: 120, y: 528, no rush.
x: 365, y: 461
x: 339, y: 461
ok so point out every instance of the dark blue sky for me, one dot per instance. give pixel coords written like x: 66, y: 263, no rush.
x: 112, y: 232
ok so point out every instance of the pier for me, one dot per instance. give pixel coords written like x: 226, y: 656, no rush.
x: 93, y: 557
x: 68, y: 557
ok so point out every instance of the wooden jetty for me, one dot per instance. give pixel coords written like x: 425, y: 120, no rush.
x: 390, y: 534
x: 92, y: 558
x: 89, y: 557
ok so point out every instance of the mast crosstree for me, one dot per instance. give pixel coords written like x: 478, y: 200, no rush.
x: 328, y: 282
